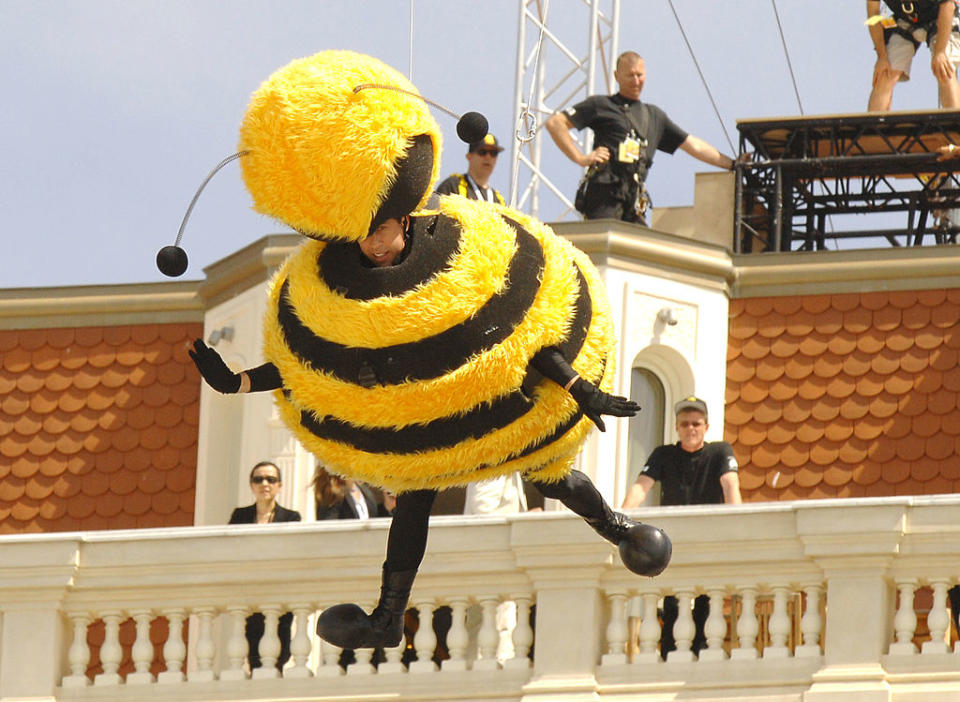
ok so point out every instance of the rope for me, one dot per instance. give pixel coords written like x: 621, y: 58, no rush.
x: 702, y: 79
x: 526, y: 128
x: 786, y: 53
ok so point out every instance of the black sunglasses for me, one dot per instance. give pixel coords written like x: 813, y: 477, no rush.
x: 487, y: 152
x: 272, y: 479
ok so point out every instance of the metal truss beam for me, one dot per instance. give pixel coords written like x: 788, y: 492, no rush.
x: 565, y: 52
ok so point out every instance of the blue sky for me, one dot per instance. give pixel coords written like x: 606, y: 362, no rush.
x: 114, y: 111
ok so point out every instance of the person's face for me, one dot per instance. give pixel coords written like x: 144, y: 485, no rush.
x: 261, y: 485
x: 385, y: 243
x: 691, y: 428
x: 630, y: 76
x: 482, y: 161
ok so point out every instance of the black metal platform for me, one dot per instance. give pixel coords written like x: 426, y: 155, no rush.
x: 809, y: 172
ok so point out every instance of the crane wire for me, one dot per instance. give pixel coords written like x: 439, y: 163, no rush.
x: 702, y: 79
x: 786, y: 53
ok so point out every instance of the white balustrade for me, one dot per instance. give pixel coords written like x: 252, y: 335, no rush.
x: 779, y: 625
x: 237, y: 644
x: 522, y: 634
x: 425, y: 640
x: 811, y: 624
x: 616, y: 630
x: 142, y: 650
x: 457, y: 637
x: 715, y: 628
x: 937, y: 620
x: 747, y: 625
x: 110, y: 652
x: 487, y: 637
x: 781, y: 612
x: 79, y: 654
x: 300, y: 642
x: 174, y: 650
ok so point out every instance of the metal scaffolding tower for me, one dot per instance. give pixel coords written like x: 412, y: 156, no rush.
x: 808, y: 169
x: 579, y: 38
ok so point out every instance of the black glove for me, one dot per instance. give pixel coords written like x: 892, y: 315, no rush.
x: 594, y: 402
x: 213, y: 369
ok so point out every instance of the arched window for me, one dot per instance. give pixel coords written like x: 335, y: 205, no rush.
x: 646, y: 430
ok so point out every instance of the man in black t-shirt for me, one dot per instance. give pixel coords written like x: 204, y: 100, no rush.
x: 896, y: 40
x: 623, y: 145
x: 690, y: 472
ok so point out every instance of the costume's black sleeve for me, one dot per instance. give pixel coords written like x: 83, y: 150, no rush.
x: 265, y: 377
x: 593, y: 402
x: 219, y: 376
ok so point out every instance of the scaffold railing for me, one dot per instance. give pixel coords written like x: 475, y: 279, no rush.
x: 807, y: 174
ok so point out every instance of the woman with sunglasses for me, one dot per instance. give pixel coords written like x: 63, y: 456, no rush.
x: 265, y: 483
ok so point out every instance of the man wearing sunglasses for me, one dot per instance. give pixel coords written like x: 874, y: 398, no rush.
x: 475, y: 183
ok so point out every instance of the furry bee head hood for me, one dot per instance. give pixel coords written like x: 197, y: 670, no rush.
x: 336, y: 143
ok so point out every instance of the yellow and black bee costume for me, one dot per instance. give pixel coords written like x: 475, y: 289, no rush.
x: 430, y: 372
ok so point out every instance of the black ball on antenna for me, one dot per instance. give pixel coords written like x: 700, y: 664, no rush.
x: 172, y: 261
x: 472, y: 127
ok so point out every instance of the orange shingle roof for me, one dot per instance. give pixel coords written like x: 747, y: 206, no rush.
x: 844, y: 395
x: 98, y: 427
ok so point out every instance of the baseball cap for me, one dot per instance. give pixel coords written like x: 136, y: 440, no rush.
x: 690, y: 403
x: 489, y: 142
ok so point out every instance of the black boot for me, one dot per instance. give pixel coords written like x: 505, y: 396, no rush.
x: 348, y: 626
x: 644, y: 549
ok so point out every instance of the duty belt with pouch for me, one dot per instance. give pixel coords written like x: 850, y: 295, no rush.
x: 635, y: 151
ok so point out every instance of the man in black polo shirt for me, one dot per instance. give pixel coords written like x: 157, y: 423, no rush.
x: 691, y: 472
x: 623, y: 145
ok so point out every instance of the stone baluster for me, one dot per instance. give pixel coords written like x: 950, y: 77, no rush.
x: 236, y: 644
x: 300, y: 643
x: 457, y: 637
x: 110, y: 653
x: 937, y: 620
x: 364, y: 656
x: 394, y: 658
x: 683, y: 629
x: 715, y: 628
x: 206, y: 649
x: 522, y: 634
x: 747, y: 626
x: 649, y: 630
x: 487, y: 637
x: 779, y: 625
x: 425, y: 640
x: 79, y: 654
x: 616, y: 632
x: 174, y: 650
x: 142, y: 650
x: 269, y: 644
x: 905, y: 621
x: 329, y: 663
x: 811, y: 624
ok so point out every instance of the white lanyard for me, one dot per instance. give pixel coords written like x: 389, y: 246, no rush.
x: 482, y: 194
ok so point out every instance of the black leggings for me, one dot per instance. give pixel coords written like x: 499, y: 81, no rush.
x: 407, y: 540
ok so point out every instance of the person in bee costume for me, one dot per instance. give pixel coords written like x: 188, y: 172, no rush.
x: 417, y: 349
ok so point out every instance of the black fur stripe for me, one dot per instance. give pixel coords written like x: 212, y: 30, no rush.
x: 433, y: 243
x: 434, y: 356
x: 449, y: 431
